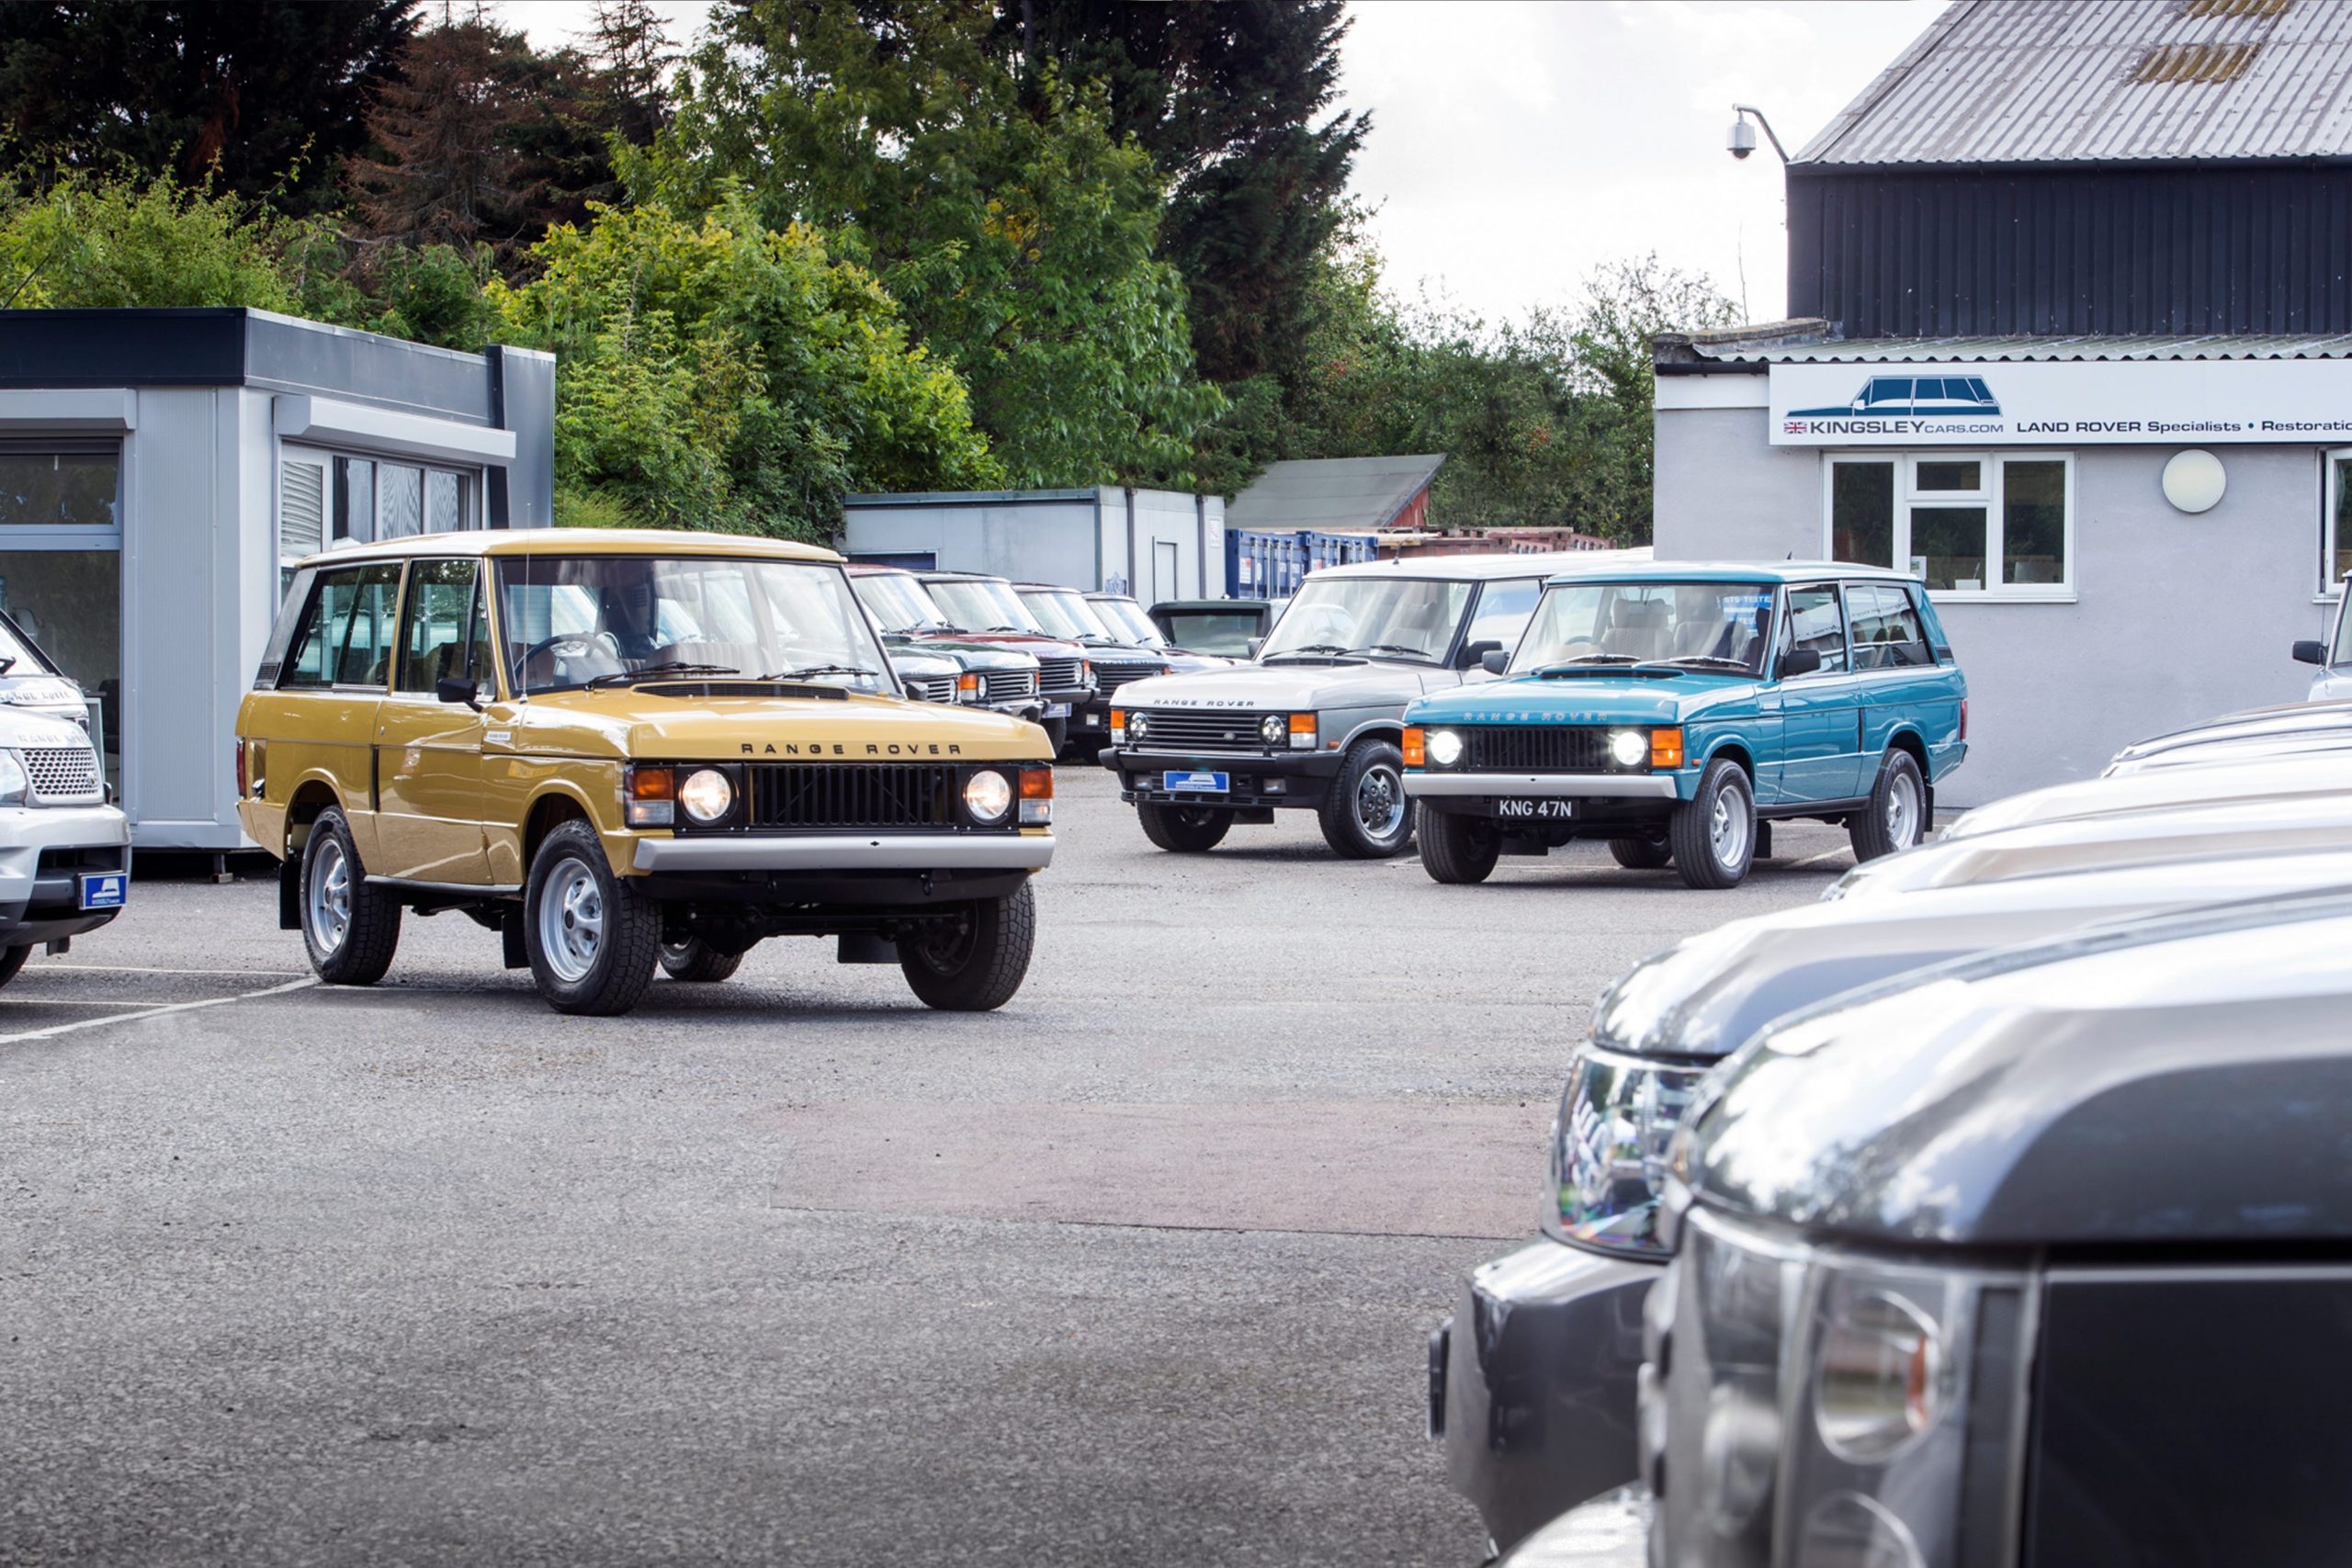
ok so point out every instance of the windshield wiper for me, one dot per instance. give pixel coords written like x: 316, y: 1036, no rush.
x: 1422, y: 654
x: 1717, y: 660
x: 1586, y: 661
x: 1024, y: 631
x: 1312, y: 648
x: 675, y: 667
x: 808, y: 670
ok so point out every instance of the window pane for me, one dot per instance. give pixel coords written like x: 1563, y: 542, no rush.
x: 1948, y: 546
x: 1502, y: 615
x: 1886, y: 631
x: 2033, y: 522
x: 443, y: 503
x: 400, y: 502
x: 1861, y: 513
x: 433, y: 624
x: 346, y: 638
x: 302, y: 510
x: 354, y: 516
x: 1814, y: 623
x: 2340, y: 546
x: 1948, y: 475
x: 59, y: 487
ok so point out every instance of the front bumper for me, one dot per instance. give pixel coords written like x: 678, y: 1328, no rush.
x: 1305, y: 777
x: 43, y: 852
x: 1580, y: 786
x: 1538, y: 1402
x: 846, y: 853
x: 1611, y: 1532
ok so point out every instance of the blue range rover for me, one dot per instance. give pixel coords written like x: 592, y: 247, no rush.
x: 1676, y: 710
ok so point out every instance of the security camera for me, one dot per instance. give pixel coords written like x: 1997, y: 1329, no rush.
x: 1742, y: 140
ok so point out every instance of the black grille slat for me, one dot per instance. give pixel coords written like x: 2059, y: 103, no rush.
x: 1002, y: 686
x: 1206, y: 731
x: 1059, y: 674
x: 1536, y: 749
x: 817, y: 796
x: 1113, y: 677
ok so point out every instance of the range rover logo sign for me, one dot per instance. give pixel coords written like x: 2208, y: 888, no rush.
x: 2163, y: 402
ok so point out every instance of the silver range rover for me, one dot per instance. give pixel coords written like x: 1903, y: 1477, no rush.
x: 1315, y: 721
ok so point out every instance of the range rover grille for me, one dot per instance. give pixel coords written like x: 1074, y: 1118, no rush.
x: 932, y: 689
x: 1113, y: 676
x: 1005, y: 685
x: 1536, y: 749
x: 62, y: 772
x: 1059, y: 674
x: 1200, y: 731
x: 819, y: 796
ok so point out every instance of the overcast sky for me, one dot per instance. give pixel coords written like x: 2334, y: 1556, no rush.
x: 1517, y: 146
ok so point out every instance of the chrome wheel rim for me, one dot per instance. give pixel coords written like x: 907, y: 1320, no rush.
x: 571, y: 919
x: 1728, y: 828
x: 1380, y: 801
x: 330, y: 900
x: 1902, y: 811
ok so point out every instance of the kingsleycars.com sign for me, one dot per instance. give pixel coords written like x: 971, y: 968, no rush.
x: 2190, y: 402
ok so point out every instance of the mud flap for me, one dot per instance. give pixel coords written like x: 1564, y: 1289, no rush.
x: 290, y: 894
x: 512, y: 952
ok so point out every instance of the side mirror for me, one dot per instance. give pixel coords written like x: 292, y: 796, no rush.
x: 457, y: 689
x: 1475, y: 653
x: 1256, y: 644
x: 2311, y: 651
x: 1494, y: 661
x: 1800, y: 661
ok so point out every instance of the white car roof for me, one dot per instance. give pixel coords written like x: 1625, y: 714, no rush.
x: 1483, y: 567
x: 2268, y: 778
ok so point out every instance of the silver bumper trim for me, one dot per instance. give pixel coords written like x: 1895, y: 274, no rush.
x: 849, y: 852
x: 1599, y: 786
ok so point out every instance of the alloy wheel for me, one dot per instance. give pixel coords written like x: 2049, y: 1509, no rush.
x: 1380, y: 801
x: 1728, y: 828
x: 571, y: 919
x: 330, y: 902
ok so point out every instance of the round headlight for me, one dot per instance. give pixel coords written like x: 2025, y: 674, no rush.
x: 1446, y: 747
x: 1629, y: 748
x: 1274, y: 729
x: 708, y: 794
x: 988, y: 795
x: 1136, y: 725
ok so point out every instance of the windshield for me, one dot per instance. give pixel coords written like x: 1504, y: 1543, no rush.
x: 982, y: 604
x: 1065, y: 613
x: 572, y: 621
x: 1722, y: 626
x: 1400, y: 617
x: 897, y: 604
x: 18, y: 657
x: 1127, y: 622
x: 1215, y: 631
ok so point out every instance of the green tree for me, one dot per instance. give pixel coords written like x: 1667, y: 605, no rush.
x: 1015, y: 231
x: 264, y: 98
x: 721, y: 374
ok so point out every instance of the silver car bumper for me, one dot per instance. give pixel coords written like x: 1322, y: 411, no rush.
x: 848, y: 851
x: 1590, y: 786
x: 35, y: 906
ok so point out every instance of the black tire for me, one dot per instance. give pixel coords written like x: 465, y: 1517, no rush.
x: 1713, y: 833
x: 605, y: 934
x: 696, y: 962
x: 1367, y: 816
x: 12, y: 960
x: 1088, y: 747
x: 1642, y: 854
x: 1057, y: 733
x: 976, y: 964
x: 1457, y: 849
x: 1897, y: 816
x: 350, y: 929
x: 1183, y: 829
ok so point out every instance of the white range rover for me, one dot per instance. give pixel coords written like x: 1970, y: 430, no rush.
x: 64, y: 853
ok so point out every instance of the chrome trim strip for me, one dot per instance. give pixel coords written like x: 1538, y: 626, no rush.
x: 848, y: 851
x: 1623, y: 786
x: 469, y: 889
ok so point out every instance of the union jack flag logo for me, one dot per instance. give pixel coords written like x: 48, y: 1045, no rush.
x: 1793, y: 427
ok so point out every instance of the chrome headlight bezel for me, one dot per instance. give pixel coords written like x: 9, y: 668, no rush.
x: 988, y: 797
x: 707, y: 796
x: 1619, y: 1114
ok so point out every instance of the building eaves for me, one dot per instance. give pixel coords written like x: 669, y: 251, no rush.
x: 1738, y: 354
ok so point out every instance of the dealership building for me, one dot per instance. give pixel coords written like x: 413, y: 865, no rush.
x: 2070, y: 337
x: 160, y: 470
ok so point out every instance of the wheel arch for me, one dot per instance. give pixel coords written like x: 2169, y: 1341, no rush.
x: 1739, y: 753
x: 311, y: 797
x: 552, y: 808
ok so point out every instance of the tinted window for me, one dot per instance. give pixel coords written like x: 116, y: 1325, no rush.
x: 1814, y: 623
x: 1503, y: 609
x: 1886, y: 629
x: 346, y: 638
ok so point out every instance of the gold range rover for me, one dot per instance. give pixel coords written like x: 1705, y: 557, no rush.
x: 626, y: 750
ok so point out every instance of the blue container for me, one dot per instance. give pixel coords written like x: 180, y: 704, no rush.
x: 1268, y: 563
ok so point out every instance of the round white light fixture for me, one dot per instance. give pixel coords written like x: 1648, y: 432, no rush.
x: 2194, y: 481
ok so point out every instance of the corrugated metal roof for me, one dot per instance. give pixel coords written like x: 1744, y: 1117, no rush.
x: 1333, y: 494
x: 2065, y: 80
x: 1720, y: 348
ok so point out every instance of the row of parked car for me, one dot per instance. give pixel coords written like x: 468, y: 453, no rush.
x: 1995, y: 1209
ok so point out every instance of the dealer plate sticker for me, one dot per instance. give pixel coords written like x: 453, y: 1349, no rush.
x: 1541, y: 808
x: 1057, y: 710
x: 1198, y: 784
x: 105, y: 889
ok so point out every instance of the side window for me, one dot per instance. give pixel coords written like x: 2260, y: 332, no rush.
x: 482, y: 656
x: 1814, y: 623
x: 1887, y: 634
x: 345, y: 636
x: 1503, y: 609
x: 434, y: 624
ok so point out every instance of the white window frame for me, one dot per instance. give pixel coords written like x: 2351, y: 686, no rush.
x: 1909, y: 495
x: 2331, y: 588
x: 473, y: 496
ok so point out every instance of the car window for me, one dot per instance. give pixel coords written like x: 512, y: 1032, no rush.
x: 1414, y: 616
x: 897, y: 603
x: 1814, y: 621
x: 345, y: 639
x: 1706, y: 624
x: 436, y: 621
x: 1887, y: 634
x: 1126, y: 618
x: 1502, y: 612
x: 983, y: 604
x: 1214, y: 631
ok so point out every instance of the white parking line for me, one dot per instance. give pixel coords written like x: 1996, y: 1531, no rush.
x: 143, y: 969
x: 126, y: 1017
x: 1815, y: 860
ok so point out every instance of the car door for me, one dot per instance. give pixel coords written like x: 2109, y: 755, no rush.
x: 428, y: 752
x: 1897, y: 677
x: 1820, y: 712
x: 320, y: 723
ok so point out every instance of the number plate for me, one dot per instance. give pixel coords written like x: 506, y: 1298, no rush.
x: 1197, y: 784
x: 1057, y: 710
x: 1539, y: 809
x: 105, y: 889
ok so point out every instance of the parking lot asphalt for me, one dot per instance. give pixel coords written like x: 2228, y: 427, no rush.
x: 790, y: 1269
